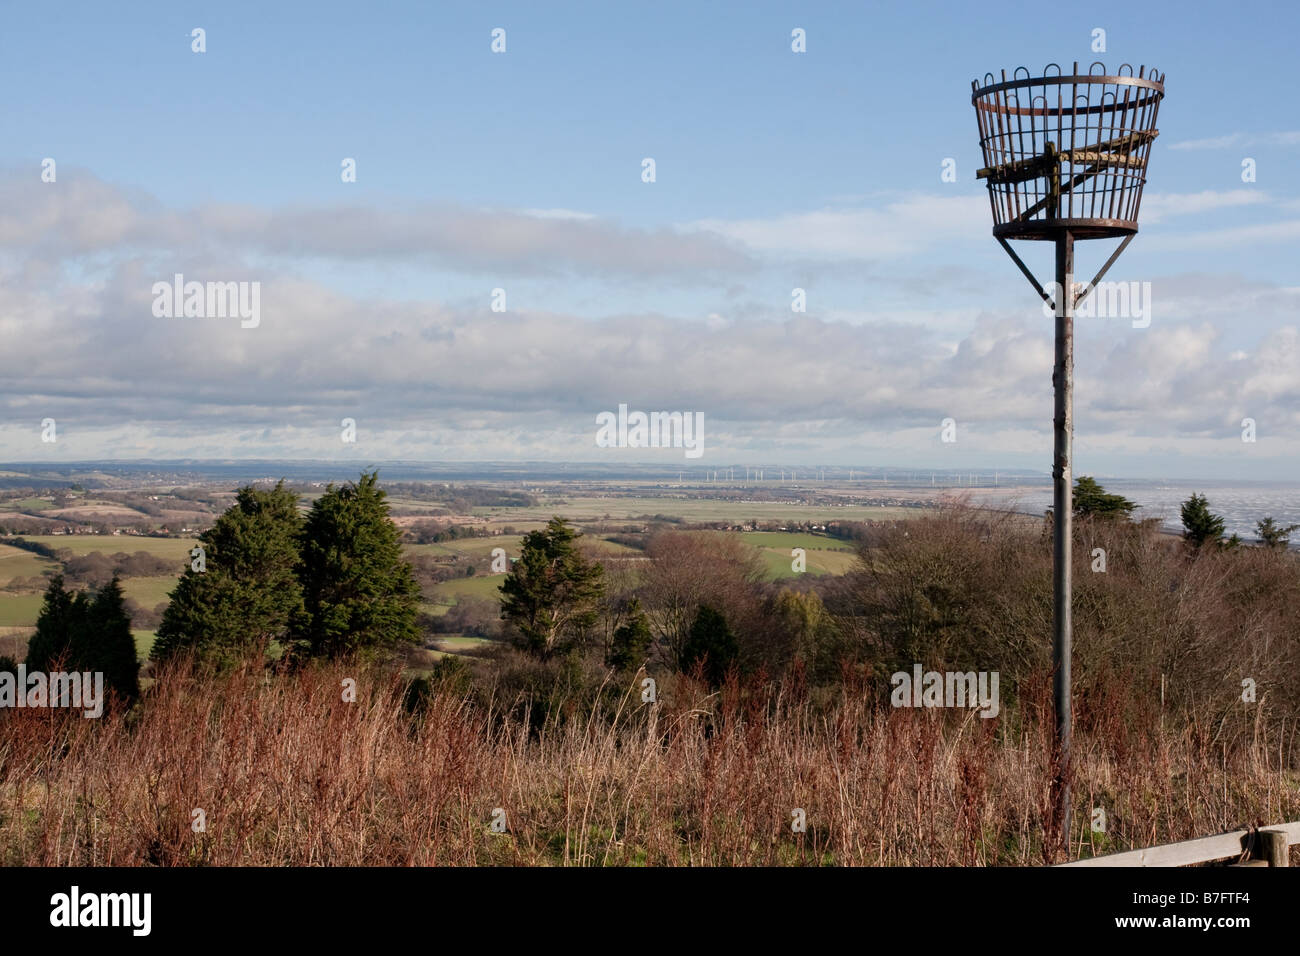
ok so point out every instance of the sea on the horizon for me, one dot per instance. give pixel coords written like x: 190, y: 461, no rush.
x: 1241, y: 504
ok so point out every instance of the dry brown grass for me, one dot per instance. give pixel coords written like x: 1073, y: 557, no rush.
x: 290, y: 774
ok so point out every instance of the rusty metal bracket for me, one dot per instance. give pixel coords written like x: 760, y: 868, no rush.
x: 1087, y: 290
x: 1028, y: 275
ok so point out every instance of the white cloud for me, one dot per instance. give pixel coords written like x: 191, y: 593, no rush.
x: 1212, y: 142
x: 83, y: 216
x: 558, y: 214
x: 1232, y: 237
x: 425, y: 378
x: 1159, y: 206
x: 1281, y: 138
x: 895, y: 229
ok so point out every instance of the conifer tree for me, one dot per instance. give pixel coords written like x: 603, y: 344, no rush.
x: 359, y: 594
x: 76, y: 632
x: 243, y: 591
x: 1200, y: 524
x: 551, y: 595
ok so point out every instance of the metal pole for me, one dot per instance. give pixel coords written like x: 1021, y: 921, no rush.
x: 1062, y: 507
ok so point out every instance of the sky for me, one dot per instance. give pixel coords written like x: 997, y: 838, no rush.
x: 522, y: 171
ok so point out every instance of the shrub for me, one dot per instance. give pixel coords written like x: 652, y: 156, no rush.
x: 710, y: 646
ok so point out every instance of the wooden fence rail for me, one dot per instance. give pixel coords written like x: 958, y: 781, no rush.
x: 1267, y: 846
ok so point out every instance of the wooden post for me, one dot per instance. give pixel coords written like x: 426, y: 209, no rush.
x: 1273, y: 847
x: 1062, y: 508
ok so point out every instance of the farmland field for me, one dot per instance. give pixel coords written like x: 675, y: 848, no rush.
x: 17, y: 563
x: 457, y: 642
x: 593, y: 508
x: 476, y: 548
x: 480, y: 585
x: 779, y: 563
x: 149, y: 592
x: 19, y: 609
x: 22, y: 608
x: 108, y: 544
x: 29, y: 504
x: 823, y: 555
x: 143, y: 643
x: 785, y: 540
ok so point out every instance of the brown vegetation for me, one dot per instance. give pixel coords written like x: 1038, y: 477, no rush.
x: 288, y: 772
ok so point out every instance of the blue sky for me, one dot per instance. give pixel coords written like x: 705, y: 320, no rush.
x: 522, y: 171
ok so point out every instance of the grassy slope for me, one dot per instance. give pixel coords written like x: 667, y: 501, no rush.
x: 19, y: 609
x: 480, y: 585
x: 148, y: 592
x: 143, y: 643
x: 23, y: 608
x: 17, y: 563
x: 737, y: 512
x: 177, y: 549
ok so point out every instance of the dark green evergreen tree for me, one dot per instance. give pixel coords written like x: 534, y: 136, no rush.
x: 631, y: 640
x: 358, y: 592
x: 1274, y: 535
x: 75, y: 632
x: 1200, y: 524
x: 53, y: 627
x: 108, y: 642
x: 246, y: 592
x: 1091, y: 500
x: 550, y: 597
x: 712, y: 642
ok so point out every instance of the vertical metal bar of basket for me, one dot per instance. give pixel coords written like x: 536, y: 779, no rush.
x: 1062, y: 507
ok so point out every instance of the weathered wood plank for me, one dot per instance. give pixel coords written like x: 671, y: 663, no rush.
x: 1103, y: 153
x: 1188, y: 852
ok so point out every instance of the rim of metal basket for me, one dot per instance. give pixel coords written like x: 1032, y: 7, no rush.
x: 1152, y: 80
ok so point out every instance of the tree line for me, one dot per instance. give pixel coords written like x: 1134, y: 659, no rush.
x: 698, y: 603
x: 1201, y: 526
x: 333, y: 583
x: 330, y: 583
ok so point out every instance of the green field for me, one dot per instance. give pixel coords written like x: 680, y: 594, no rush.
x: 794, y: 539
x: 447, y: 644
x: 586, y: 509
x: 614, y: 548
x: 20, y: 609
x: 476, y: 549
x: 456, y: 643
x: 823, y: 555
x: 23, y: 608
x: 480, y: 585
x: 109, y: 544
x: 148, y: 592
x: 28, y: 504
x: 779, y: 563
x: 143, y: 643
x: 17, y: 563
